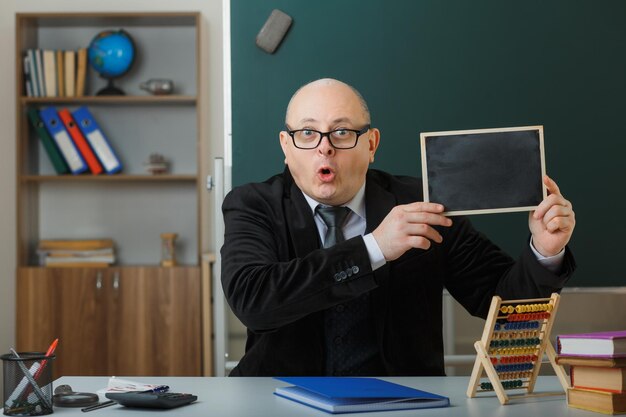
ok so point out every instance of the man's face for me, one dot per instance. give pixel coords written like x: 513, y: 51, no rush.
x: 328, y: 175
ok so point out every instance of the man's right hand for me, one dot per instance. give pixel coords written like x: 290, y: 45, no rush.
x: 409, y: 226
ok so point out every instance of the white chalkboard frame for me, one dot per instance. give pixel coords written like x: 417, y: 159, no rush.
x: 488, y: 166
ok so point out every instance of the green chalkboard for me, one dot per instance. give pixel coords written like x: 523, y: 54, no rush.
x: 436, y: 65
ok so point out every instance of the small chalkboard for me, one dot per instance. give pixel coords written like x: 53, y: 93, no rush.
x: 484, y: 171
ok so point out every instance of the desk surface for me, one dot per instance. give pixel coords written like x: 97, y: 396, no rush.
x: 230, y: 397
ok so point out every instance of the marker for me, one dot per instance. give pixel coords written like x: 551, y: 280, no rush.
x: 49, y: 353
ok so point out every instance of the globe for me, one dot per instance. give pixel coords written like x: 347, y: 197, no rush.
x: 111, y: 53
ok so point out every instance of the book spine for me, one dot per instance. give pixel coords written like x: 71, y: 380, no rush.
x: 81, y: 72
x: 49, y: 70
x: 48, y: 143
x: 55, y: 127
x: 70, y: 71
x: 60, y: 60
x: 32, y: 62
x: 91, y: 244
x: 99, y: 143
x: 40, y: 79
x: 80, y: 142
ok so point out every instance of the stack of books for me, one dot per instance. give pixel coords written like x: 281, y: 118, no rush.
x: 597, y: 370
x: 76, y: 253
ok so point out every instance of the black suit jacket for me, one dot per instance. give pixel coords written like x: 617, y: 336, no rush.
x: 278, y: 280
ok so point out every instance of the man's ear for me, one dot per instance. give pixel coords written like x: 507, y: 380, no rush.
x: 374, y: 141
x: 283, y: 137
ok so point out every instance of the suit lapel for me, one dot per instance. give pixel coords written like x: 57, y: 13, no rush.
x: 302, y: 229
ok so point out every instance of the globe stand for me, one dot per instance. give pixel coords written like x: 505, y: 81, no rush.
x: 110, y: 90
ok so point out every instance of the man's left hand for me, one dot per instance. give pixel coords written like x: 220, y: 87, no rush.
x: 552, y: 223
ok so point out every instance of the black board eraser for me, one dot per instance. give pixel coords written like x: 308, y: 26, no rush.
x: 273, y: 31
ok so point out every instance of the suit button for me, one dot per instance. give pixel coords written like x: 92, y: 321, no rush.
x: 339, y: 308
x: 349, y: 272
x: 355, y: 269
x: 337, y: 277
x: 343, y: 275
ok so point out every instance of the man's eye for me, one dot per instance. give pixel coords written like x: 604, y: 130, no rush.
x: 341, y: 132
x: 307, y: 132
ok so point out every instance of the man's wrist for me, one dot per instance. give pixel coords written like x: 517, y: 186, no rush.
x: 377, y: 259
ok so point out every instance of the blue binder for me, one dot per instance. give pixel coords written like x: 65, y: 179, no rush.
x: 350, y: 395
x: 70, y: 153
x: 98, y: 142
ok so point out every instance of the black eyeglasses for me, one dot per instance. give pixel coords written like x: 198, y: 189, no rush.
x: 338, y: 138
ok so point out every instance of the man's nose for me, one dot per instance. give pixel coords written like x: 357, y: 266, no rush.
x: 325, y: 147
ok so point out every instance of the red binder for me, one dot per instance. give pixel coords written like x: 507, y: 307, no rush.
x: 80, y: 142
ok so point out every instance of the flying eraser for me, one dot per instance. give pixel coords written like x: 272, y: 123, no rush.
x: 273, y: 31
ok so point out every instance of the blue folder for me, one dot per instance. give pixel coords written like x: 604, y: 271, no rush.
x: 349, y: 395
x: 97, y: 140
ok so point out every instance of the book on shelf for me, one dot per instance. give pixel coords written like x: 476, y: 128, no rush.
x: 50, y: 72
x: 75, y: 244
x: 40, y: 76
x: 80, y: 142
x: 598, y: 401
x: 67, y: 253
x: 81, y: 71
x: 70, y: 73
x: 56, y: 158
x: 74, y: 260
x: 28, y: 86
x: 349, y: 395
x: 60, y: 60
x: 32, y: 69
x: 597, y: 344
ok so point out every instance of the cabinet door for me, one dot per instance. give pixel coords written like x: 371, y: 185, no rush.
x: 154, y: 326
x: 68, y: 303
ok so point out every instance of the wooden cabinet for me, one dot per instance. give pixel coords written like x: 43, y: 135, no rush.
x: 135, y: 318
x: 113, y: 321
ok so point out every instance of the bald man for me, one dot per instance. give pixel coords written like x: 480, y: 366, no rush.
x: 339, y: 269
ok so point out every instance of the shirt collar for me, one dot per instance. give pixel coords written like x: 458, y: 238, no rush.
x: 357, y: 204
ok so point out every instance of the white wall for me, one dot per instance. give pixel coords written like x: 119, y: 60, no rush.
x: 212, y: 115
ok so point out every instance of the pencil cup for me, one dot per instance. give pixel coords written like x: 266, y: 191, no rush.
x: 27, y: 384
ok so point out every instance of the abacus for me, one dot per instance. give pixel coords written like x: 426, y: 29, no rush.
x: 516, y: 335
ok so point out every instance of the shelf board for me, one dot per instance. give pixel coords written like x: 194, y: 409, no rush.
x: 110, y: 178
x: 163, y: 99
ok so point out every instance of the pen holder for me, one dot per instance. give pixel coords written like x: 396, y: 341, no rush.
x: 27, y: 384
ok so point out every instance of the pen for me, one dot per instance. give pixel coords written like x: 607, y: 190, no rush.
x: 49, y: 352
x: 98, y: 406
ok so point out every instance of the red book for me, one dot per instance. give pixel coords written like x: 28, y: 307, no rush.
x: 80, y: 142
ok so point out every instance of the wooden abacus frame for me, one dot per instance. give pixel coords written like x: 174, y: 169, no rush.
x: 516, y: 335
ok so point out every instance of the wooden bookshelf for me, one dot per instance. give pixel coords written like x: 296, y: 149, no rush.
x: 138, y: 300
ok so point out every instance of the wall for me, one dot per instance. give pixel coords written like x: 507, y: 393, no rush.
x: 212, y: 108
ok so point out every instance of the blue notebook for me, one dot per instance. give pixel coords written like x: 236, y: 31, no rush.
x: 349, y: 395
